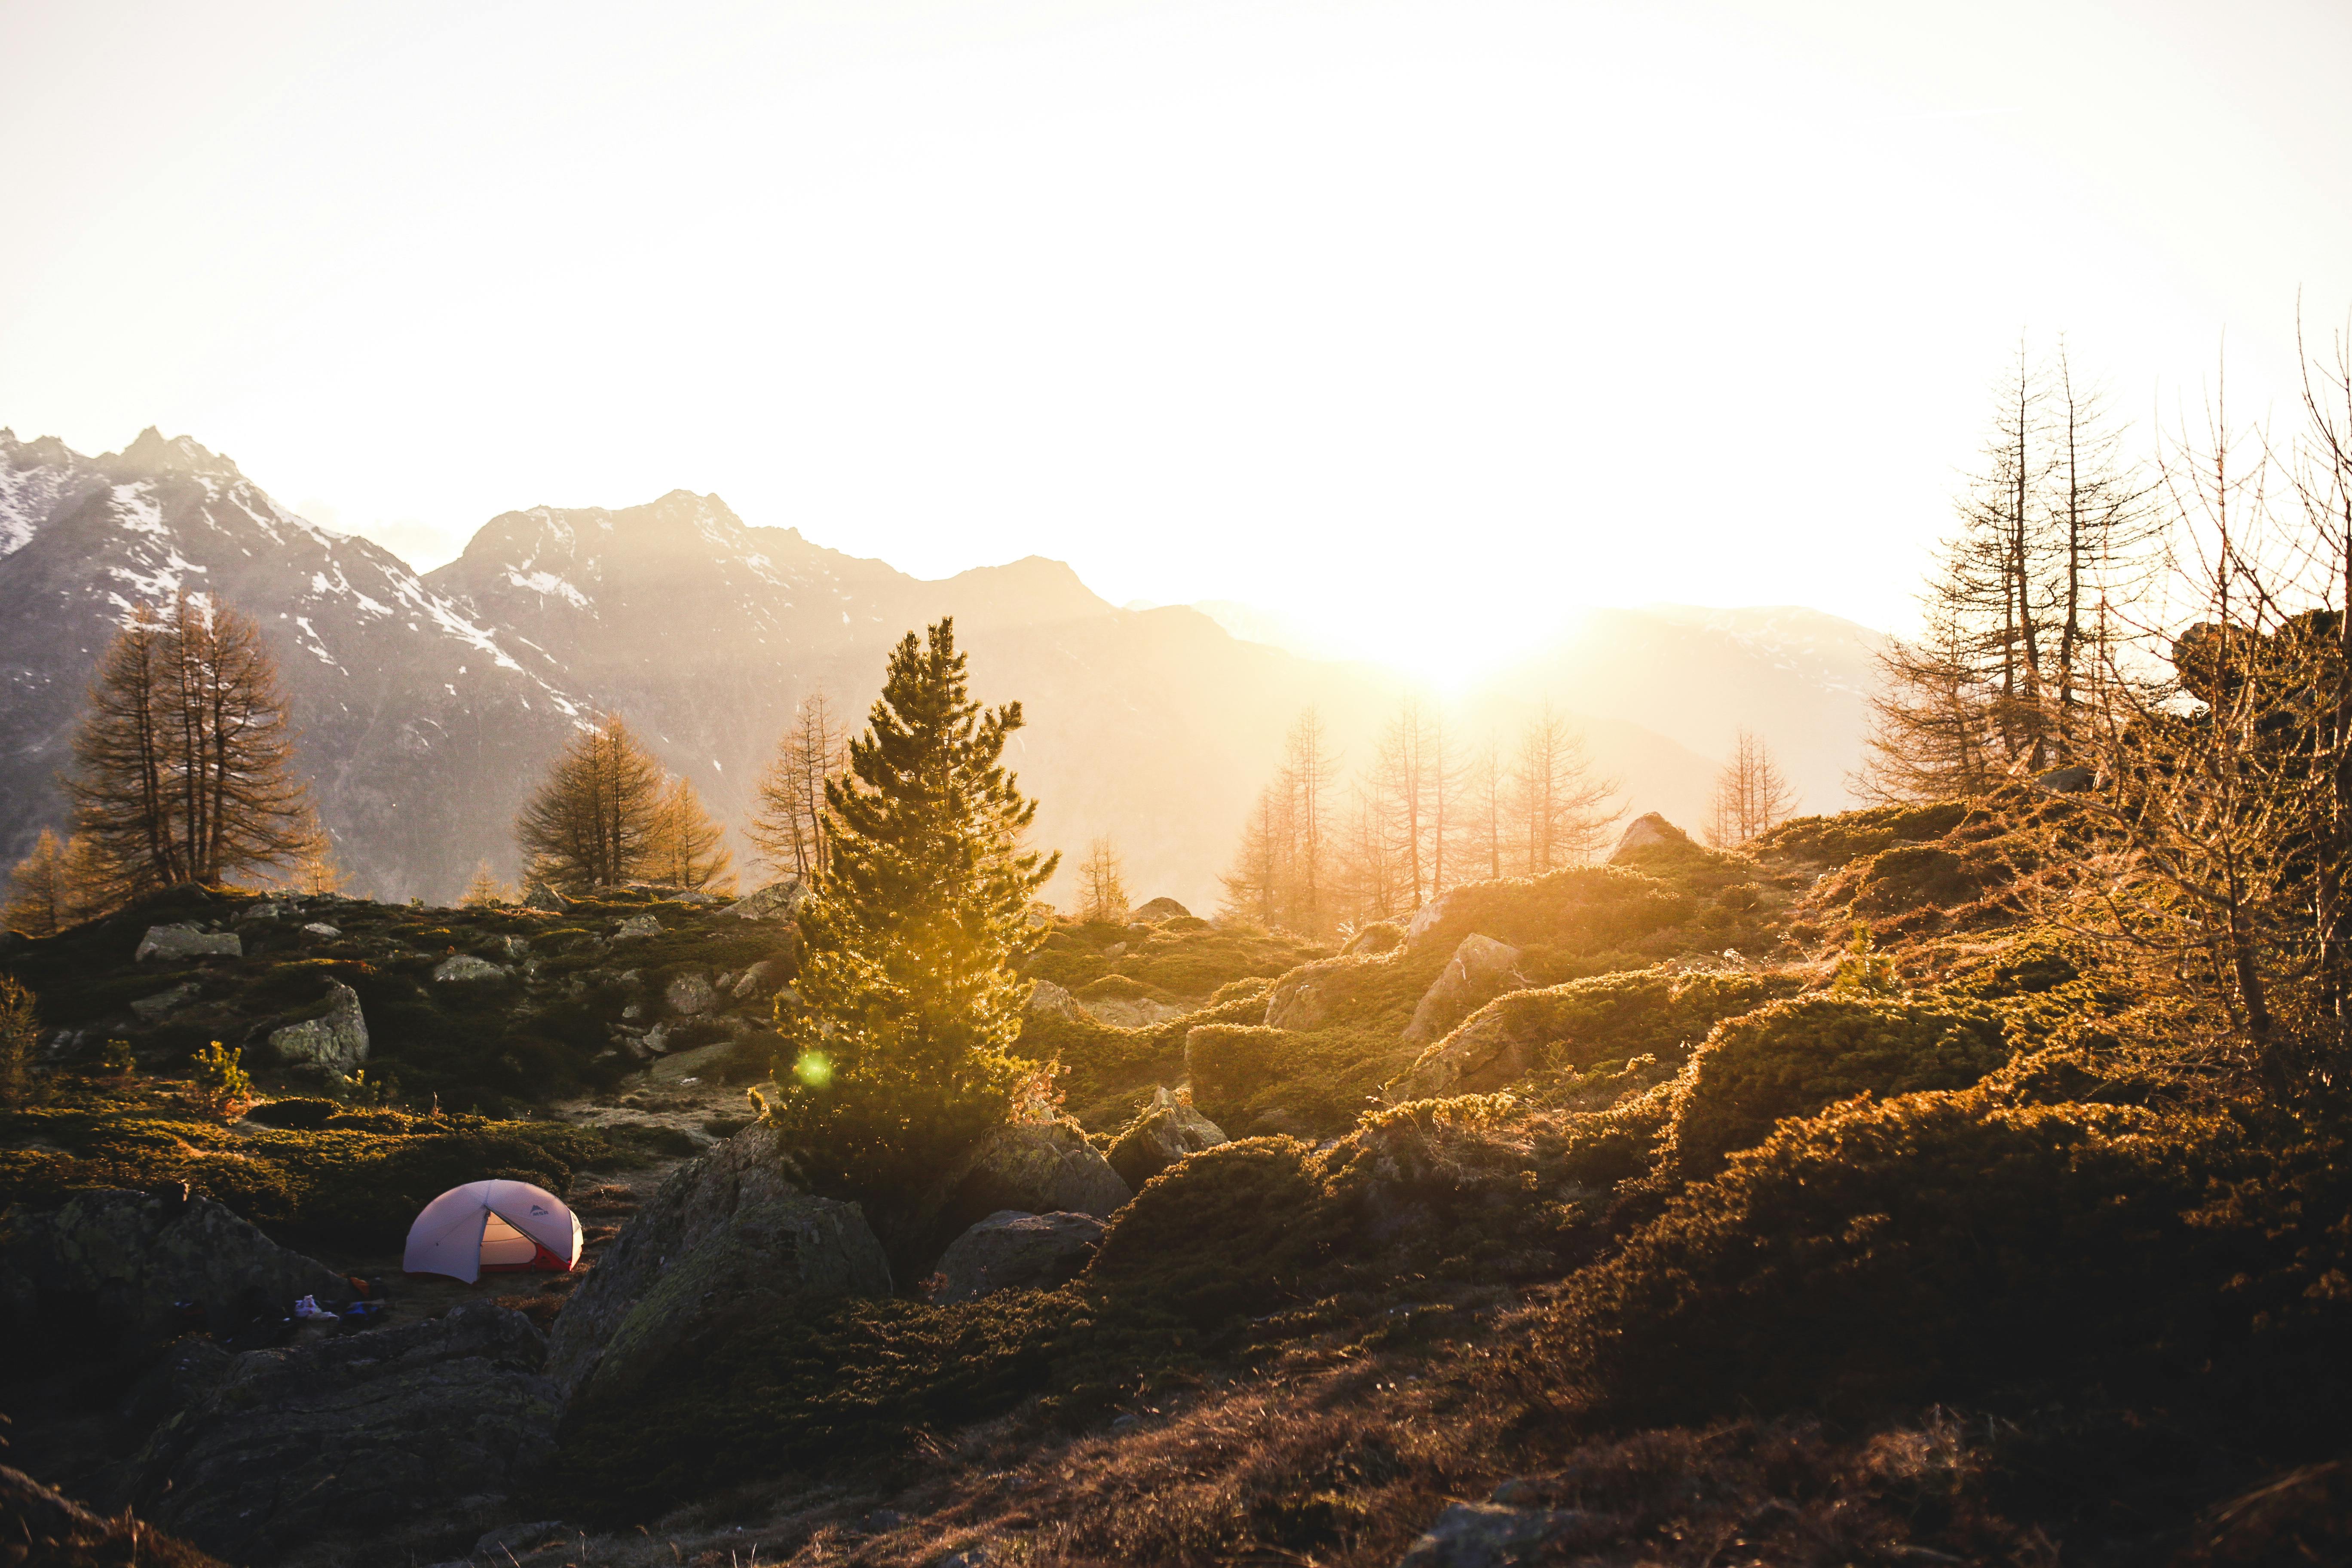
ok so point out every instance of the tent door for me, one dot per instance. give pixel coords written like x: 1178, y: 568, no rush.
x: 504, y: 1247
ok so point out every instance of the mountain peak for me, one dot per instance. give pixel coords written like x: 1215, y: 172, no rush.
x: 153, y: 453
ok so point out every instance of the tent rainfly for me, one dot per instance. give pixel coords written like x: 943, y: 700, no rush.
x: 493, y: 1228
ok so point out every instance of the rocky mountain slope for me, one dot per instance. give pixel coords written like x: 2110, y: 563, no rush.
x: 428, y: 704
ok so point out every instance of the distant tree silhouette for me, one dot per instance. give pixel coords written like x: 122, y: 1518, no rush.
x: 688, y: 849
x: 55, y: 887
x: 183, y: 764
x: 483, y: 890
x: 788, y: 811
x: 1561, y: 809
x: 594, y: 820
x: 1102, y: 891
x: 1750, y: 794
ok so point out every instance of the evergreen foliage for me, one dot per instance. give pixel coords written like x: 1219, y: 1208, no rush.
x: 55, y: 887
x: 910, y: 997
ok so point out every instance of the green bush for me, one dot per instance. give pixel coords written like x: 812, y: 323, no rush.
x: 1848, y: 836
x: 1936, y: 1246
x: 1233, y: 1232
x: 1646, y: 1011
x: 1795, y: 1056
x: 1249, y: 1080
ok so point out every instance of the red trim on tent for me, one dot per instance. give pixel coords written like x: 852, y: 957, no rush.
x: 542, y: 1262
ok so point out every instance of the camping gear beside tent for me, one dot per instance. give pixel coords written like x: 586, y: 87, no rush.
x: 489, y: 1228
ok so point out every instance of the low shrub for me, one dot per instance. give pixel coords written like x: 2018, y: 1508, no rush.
x: 1791, y: 1058
x: 1250, y: 1080
x: 1231, y: 1233
x: 1934, y: 1246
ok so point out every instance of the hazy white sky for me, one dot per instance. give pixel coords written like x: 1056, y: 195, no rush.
x: 1415, y: 319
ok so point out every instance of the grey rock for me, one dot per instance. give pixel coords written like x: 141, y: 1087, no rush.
x: 1489, y: 1050
x: 465, y: 967
x: 1131, y: 1012
x: 1421, y: 929
x: 320, y: 928
x: 1035, y: 1168
x: 657, y: 1039
x: 263, y: 911
x: 759, y: 980
x: 1481, y: 967
x: 1649, y: 831
x: 127, y: 1257
x: 1301, y: 999
x: 1487, y: 1535
x: 1116, y: 950
x: 357, y: 1437
x: 1053, y: 1002
x: 725, y: 1240
x: 1162, y: 910
x: 776, y: 902
x: 164, y: 1002
x: 335, y: 1042
x: 546, y: 898
x: 1010, y: 1250
x: 512, y: 948
x: 1168, y: 1130
x: 689, y: 994
x: 2067, y: 780
x: 184, y: 940
x: 636, y: 927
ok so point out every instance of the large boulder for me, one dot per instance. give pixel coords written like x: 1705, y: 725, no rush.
x: 689, y: 994
x: 726, y: 1240
x: 764, y: 978
x: 636, y: 928
x: 1052, y: 1001
x: 776, y: 902
x: 1648, y: 831
x: 1161, y: 909
x: 1302, y: 998
x: 414, y: 1434
x: 1130, y: 1012
x: 161, y: 1006
x: 1492, y: 1048
x: 465, y: 966
x: 1035, y: 1167
x: 1480, y: 968
x: 1168, y: 1130
x: 1010, y: 1250
x: 335, y: 1042
x: 112, y: 1264
x: 184, y: 940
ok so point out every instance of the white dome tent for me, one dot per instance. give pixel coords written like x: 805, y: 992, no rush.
x: 493, y: 1228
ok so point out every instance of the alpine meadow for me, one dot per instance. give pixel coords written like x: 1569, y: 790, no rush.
x: 1512, y: 784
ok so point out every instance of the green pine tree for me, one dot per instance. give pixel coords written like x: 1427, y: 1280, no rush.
x: 911, y: 995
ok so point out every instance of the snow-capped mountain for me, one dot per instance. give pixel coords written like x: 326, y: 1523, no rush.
x: 428, y: 706
x: 397, y: 692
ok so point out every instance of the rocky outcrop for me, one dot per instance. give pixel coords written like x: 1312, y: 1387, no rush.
x: 1302, y: 998
x: 1033, y: 1167
x: 1168, y: 1130
x: 636, y: 928
x: 320, y: 928
x: 1481, y: 967
x: 164, y: 1004
x: 184, y: 940
x: 776, y: 902
x: 764, y: 978
x: 1053, y: 1002
x: 690, y: 993
x: 112, y: 1263
x: 727, y: 1239
x: 1162, y: 910
x: 1489, y: 1050
x: 465, y: 966
x: 336, y: 1042
x: 1490, y: 1535
x: 1013, y: 1251
x: 364, y: 1436
x: 1130, y: 1012
x: 1649, y: 831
